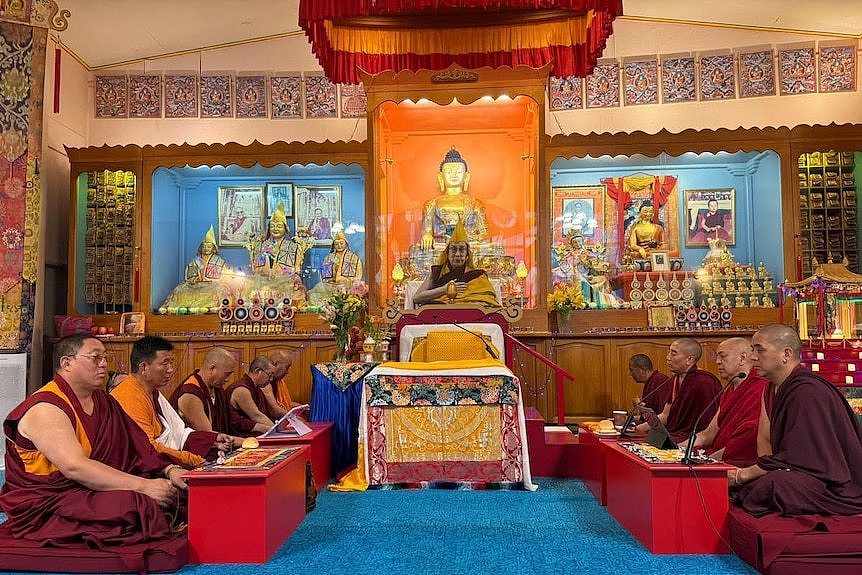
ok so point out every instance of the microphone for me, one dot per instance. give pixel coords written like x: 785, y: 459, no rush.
x: 631, y: 414
x: 687, y: 458
x: 484, y: 341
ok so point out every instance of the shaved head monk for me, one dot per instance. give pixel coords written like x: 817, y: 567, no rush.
x: 692, y: 390
x: 152, y: 361
x: 812, y: 462
x: 201, y: 399
x: 247, y: 400
x: 78, y: 469
x: 731, y: 436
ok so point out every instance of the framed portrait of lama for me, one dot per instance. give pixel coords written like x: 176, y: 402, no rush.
x: 240, y: 214
x: 317, y: 209
x: 710, y: 213
x: 578, y: 211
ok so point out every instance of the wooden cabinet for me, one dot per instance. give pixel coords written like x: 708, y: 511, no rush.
x: 828, y: 208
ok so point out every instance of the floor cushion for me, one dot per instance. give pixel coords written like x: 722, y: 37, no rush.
x: 805, y: 544
x: 162, y: 557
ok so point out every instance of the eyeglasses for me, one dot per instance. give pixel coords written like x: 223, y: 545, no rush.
x: 96, y: 358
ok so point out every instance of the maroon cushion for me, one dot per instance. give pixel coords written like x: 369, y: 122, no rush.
x: 784, y: 545
x: 159, y: 557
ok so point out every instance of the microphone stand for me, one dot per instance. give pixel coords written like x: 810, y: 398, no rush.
x: 631, y: 414
x: 688, y: 458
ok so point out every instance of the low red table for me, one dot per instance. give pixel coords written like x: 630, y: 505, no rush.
x: 244, y: 516
x: 665, y: 505
x: 592, y: 469
x: 320, y: 442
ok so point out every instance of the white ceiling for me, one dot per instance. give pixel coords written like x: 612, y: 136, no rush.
x: 109, y: 32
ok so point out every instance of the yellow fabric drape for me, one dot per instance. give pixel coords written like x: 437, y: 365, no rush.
x: 479, y: 39
x: 439, y: 365
x: 443, y: 433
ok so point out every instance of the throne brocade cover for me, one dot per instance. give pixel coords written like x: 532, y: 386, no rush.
x: 22, y: 73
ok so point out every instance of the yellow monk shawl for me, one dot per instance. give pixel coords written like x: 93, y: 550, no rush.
x: 479, y: 288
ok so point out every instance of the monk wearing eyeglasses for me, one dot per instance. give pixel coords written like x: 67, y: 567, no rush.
x: 249, y: 405
x: 79, y: 471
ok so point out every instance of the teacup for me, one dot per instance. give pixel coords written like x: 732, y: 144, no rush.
x: 619, y: 417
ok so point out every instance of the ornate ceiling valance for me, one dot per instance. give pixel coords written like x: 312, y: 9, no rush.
x: 380, y: 35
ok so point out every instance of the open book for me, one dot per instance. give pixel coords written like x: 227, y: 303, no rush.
x: 290, y: 424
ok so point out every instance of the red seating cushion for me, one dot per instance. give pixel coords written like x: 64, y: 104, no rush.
x: 161, y: 557
x: 804, y: 544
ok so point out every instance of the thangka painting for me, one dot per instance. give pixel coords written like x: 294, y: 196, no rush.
x: 22, y: 67
x: 716, y: 77
x: 354, y: 102
x: 112, y: 99
x: 603, y: 86
x: 678, y: 80
x: 641, y: 81
x: 181, y: 96
x: 145, y: 96
x: 285, y: 96
x: 216, y: 96
x: 566, y: 93
x: 251, y: 97
x: 321, y: 97
x: 756, y: 74
x: 837, y: 68
x: 710, y: 214
x: 796, y: 71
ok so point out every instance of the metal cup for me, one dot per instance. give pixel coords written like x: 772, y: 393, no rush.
x: 619, y: 417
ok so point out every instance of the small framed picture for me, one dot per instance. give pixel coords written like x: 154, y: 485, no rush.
x: 279, y: 192
x: 240, y: 214
x: 318, y: 208
x: 133, y: 323
x: 661, y: 316
x: 710, y: 213
x: 660, y: 262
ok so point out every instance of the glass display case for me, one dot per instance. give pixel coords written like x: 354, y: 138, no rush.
x: 687, y: 230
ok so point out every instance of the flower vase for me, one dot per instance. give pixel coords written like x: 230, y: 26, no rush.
x: 342, y: 340
x: 563, y: 318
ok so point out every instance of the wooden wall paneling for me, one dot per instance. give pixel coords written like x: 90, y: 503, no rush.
x: 299, y: 374
x: 538, y: 385
x: 118, y: 355
x: 588, y: 361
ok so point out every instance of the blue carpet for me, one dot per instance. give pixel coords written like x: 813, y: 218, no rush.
x: 559, y: 530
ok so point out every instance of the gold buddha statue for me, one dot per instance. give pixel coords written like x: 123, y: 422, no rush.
x: 202, y: 288
x: 441, y: 214
x: 644, y: 234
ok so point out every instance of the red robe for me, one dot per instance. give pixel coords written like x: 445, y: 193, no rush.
x: 45, y: 506
x: 656, y: 392
x: 218, y: 411
x: 816, y: 461
x: 690, y: 398
x: 738, y: 416
x: 240, y: 423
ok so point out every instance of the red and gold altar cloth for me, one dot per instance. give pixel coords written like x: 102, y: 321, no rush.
x: 380, y: 35
x: 441, y: 424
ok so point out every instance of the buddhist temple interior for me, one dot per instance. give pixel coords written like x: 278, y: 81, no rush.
x: 558, y: 176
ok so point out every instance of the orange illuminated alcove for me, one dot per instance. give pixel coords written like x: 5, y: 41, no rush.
x: 498, y: 139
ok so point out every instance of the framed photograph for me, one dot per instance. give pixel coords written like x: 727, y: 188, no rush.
x: 132, y: 323
x: 279, y: 192
x: 240, y: 214
x: 710, y: 214
x: 661, y: 316
x: 578, y: 210
x: 660, y: 262
x: 317, y: 209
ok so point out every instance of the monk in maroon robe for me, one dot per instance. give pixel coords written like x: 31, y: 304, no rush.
x: 657, y: 386
x: 79, y: 471
x: 692, y: 391
x: 249, y: 406
x: 201, y: 399
x: 731, y: 436
x: 813, y: 463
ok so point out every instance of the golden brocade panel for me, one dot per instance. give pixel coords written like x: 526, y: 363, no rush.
x: 443, y: 433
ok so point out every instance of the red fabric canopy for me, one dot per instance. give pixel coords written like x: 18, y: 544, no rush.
x: 380, y: 35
